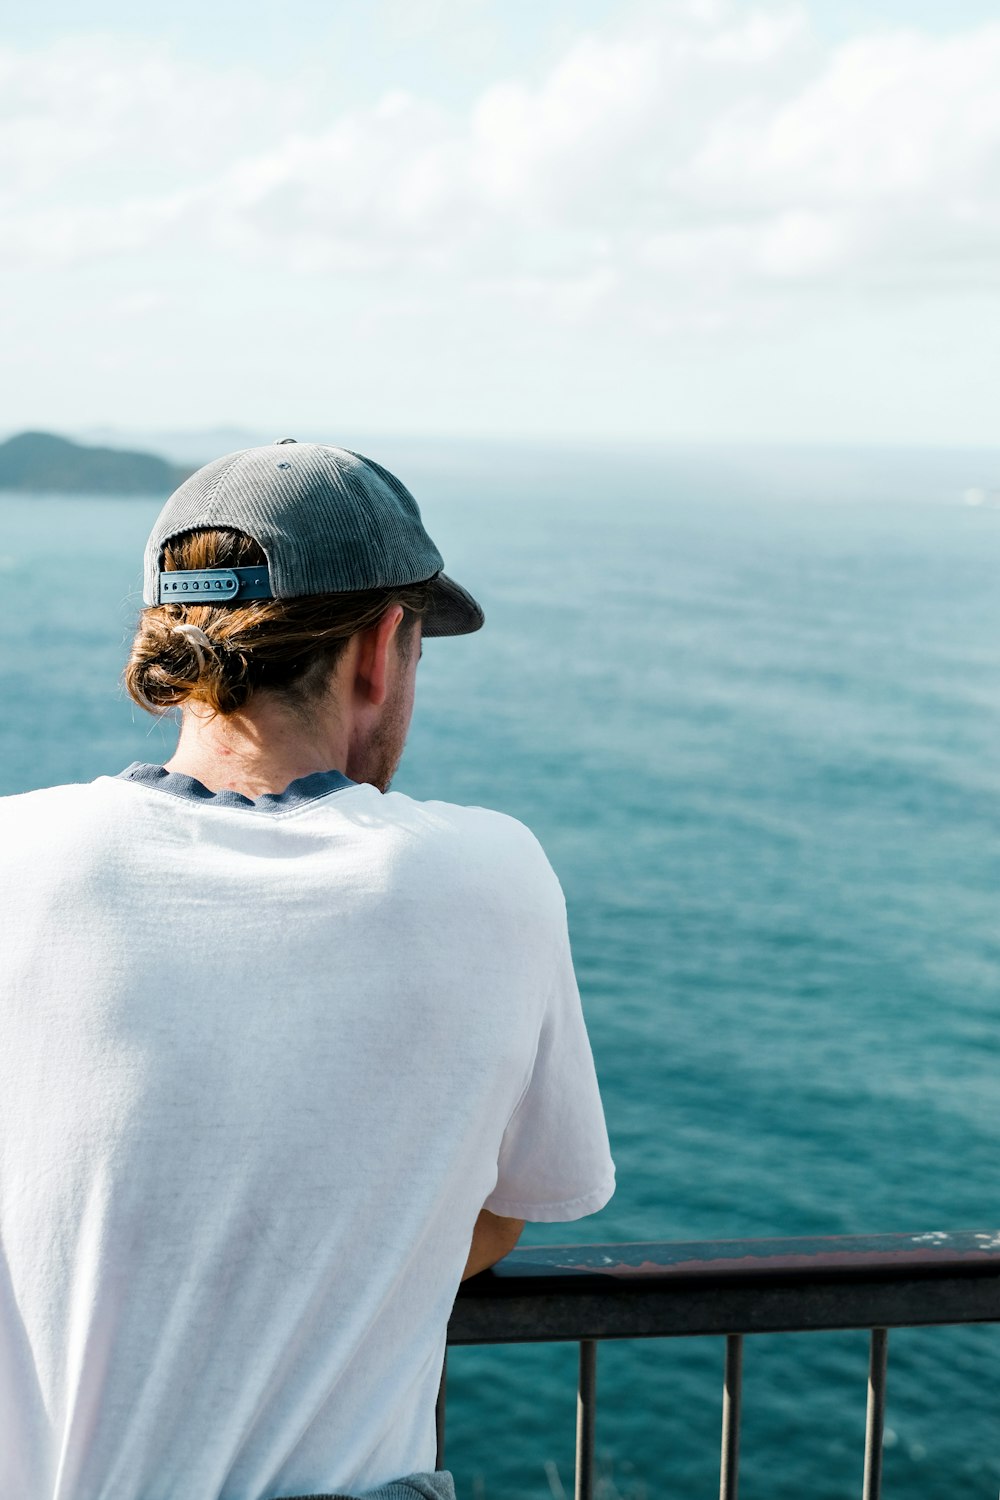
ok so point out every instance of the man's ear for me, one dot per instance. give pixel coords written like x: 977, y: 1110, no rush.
x: 371, y: 674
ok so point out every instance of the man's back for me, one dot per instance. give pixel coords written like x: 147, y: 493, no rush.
x: 258, y: 1066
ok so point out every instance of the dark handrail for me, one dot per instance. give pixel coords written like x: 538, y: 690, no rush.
x: 730, y: 1287
x: 657, y: 1289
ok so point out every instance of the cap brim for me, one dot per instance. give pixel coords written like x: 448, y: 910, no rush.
x: 450, y: 609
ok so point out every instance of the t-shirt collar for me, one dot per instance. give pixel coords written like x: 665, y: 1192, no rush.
x: 303, y: 789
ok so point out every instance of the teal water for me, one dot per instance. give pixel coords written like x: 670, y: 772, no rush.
x: 760, y: 740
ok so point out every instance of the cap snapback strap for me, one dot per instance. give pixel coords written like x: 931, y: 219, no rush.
x: 214, y: 586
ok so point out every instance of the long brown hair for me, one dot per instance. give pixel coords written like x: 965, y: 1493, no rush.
x: 287, y: 645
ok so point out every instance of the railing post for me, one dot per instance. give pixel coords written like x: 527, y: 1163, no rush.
x: 586, y: 1421
x: 439, y: 1413
x: 732, y: 1398
x: 655, y: 1289
x: 875, y: 1419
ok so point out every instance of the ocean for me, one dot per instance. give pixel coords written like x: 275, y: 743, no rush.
x: 754, y: 717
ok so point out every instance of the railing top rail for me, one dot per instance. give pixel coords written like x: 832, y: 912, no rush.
x: 934, y: 1252
x: 656, y: 1289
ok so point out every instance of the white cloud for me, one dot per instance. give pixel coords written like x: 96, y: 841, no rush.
x: 668, y: 167
x: 116, y: 109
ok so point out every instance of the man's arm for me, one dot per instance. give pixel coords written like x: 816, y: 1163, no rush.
x: 492, y: 1238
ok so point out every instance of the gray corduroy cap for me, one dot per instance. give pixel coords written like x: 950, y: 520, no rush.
x: 328, y: 520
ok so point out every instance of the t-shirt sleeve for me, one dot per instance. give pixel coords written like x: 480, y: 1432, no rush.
x: 555, y: 1162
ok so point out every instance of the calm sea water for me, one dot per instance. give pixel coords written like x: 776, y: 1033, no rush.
x: 760, y: 740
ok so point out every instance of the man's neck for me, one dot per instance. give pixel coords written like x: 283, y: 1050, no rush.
x: 260, y: 749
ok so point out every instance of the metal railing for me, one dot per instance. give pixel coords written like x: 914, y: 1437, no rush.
x: 733, y: 1288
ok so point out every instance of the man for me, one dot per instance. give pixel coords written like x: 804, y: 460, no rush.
x: 282, y: 1054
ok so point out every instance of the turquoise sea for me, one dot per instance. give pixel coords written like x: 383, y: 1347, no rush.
x: 755, y: 719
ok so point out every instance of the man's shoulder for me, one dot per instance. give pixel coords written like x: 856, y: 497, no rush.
x: 47, y: 802
x: 478, y: 842
x: 54, y: 815
x: 462, y: 822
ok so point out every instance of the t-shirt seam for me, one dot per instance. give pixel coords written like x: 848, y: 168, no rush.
x: 554, y: 1204
x: 534, y: 1054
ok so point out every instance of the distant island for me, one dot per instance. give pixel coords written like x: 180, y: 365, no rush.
x: 41, y: 461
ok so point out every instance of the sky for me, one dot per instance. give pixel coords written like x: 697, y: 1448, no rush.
x: 669, y: 220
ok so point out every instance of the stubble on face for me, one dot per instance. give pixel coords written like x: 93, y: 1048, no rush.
x: 377, y: 760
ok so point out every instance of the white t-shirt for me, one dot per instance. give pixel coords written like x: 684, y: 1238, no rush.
x: 261, y: 1065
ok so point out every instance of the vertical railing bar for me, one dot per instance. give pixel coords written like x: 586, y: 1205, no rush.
x: 439, y: 1412
x: 586, y: 1421
x: 875, y: 1419
x: 732, y: 1401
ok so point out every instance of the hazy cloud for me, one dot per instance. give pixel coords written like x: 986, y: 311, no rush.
x: 689, y: 163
